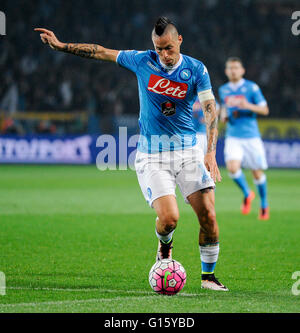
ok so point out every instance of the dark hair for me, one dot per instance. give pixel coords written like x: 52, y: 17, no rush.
x: 235, y: 59
x: 161, y: 24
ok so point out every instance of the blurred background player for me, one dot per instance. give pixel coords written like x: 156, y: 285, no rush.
x: 242, y: 100
x: 169, y: 83
x: 199, y: 124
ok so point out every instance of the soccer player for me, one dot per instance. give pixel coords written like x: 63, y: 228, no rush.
x: 242, y: 100
x: 167, y: 155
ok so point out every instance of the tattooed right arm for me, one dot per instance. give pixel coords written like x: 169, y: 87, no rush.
x: 91, y: 51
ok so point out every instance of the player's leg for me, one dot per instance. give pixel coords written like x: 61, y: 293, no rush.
x: 234, y: 154
x: 203, y: 203
x: 158, y: 186
x: 257, y: 162
x: 260, y: 180
x: 167, y: 216
x: 237, y: 175
x: 197, y: 188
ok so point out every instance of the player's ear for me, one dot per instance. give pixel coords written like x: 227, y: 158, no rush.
x: 180, y: 39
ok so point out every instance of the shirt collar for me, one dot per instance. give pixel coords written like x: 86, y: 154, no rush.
x: 236, y: 85
x: 171, y: 69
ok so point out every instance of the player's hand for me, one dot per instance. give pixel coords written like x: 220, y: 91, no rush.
x: 212, y: 166
x: 223, y: 115
x: 48, y: 37
x: 243, y: 104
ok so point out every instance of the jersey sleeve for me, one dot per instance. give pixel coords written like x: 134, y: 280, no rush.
x: 130, y: 59
x: 202, y: 79
x: 257, y: 95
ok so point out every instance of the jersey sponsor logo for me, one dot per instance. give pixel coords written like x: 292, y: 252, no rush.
x: 168, y: 108
x: 163, y: 86
x: 185, y: 74
x: 232, y: 101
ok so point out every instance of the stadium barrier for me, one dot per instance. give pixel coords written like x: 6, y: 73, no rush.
x: 113, y: 151
x: 270, y: 129
x: 273, y: 129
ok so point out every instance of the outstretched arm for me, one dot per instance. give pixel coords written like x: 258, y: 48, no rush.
x: 92, y: 51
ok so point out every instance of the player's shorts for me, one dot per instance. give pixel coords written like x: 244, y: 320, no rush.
x: 250, y: 152
x: 202, y: 141
x: 159, y: 173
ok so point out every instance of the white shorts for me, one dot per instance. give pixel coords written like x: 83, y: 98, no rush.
x: 250, y: 152
x: 202, y: 141
x: 159, y: 173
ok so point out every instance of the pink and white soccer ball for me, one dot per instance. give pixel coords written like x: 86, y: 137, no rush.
x: 167, y: 277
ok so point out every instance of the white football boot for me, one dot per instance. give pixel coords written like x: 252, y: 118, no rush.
x: 209, y: 281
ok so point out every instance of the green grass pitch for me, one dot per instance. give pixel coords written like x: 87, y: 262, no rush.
x: 76, y: 239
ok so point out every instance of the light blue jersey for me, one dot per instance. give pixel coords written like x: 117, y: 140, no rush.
x: 166, y: 99
x: 241, y: 123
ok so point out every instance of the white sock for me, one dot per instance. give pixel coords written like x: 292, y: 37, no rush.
x: 209, y: 256
x: 235, y: 175
x: 165, y: 238
x: 261, y: 180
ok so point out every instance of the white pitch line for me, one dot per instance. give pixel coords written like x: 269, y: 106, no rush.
x: 69, y: 302
x: 93, y: 289
x: 82, y: 301
x: 80, y: 289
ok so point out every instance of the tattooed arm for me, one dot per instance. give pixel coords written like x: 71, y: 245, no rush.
x: 92, y: 51
x: 211, y: 120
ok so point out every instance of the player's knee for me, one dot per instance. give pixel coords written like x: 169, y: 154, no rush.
x: 168, y: 221
x: 257, y: 174
x: 233, y: 171
x: 207, y: 218
x: 211, y: 216
x: 233, y: 167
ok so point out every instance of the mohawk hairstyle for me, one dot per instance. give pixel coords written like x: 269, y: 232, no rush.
x: 161, y: 24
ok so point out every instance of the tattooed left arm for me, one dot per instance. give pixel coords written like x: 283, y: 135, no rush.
x: 211, y: 120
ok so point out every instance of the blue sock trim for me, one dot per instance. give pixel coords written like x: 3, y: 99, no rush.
x: 208, y: 267
x: 241, y: 181
x: 262, y: 190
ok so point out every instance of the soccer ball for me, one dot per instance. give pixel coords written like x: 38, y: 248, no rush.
x: 167, y: 277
